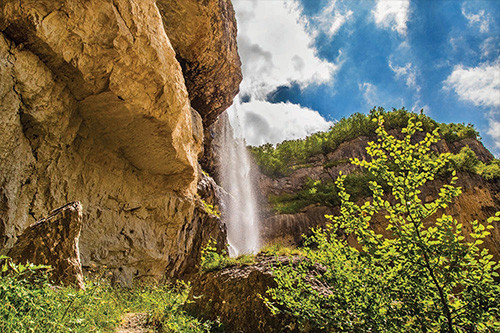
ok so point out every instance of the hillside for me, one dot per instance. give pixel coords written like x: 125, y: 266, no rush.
x: 297, y: 177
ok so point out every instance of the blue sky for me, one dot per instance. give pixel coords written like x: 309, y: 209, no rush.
x: 308, y: 63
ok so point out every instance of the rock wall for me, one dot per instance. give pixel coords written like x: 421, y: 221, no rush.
x: 95, y: 109
x: 480, y: 198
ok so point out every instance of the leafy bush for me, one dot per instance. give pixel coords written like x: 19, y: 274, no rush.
x: 467, y: 161
x: 489, y: 171
x: 279, y: 161
x: 421, y: 277
x: 279, y: 249
x: 29, y: 303
x: 210, y: 209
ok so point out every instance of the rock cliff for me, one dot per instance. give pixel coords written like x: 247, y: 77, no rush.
x: 96, y: 107
x: 480, y: 198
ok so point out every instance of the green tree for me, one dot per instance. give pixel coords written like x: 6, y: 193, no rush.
x: 426, y: 275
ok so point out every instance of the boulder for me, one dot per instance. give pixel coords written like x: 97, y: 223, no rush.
x: 54, y: 241
x: 232, y: 296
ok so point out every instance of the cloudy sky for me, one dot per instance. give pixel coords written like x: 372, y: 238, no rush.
x: 307, y: 63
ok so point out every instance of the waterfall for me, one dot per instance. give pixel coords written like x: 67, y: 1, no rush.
x: 240, y: 211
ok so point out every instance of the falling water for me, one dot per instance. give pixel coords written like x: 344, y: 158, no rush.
x: 240, y: 211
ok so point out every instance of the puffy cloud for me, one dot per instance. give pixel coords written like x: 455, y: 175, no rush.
x: 261, y: 122
x: 479, y: 85
x: 392, y: 14
x: 276, y: 46
x: 480, y: 19
x: 331, y: 19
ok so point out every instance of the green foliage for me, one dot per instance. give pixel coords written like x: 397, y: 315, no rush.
x: 467, y: 161
x: 213, y: 259
x: 489, y: 171
x: 324, y: 193
x: 278, y: 249
x: 210, y: 209
x: 29, y: 303
x: 279, y: 161
x: 422, y: 277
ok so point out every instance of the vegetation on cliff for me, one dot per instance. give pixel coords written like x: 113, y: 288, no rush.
x: 30, y: 303
x: 292, y: 154
x: 423, y: 277
x: 288, y: 156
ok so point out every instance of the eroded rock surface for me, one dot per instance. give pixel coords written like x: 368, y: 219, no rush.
x: 95, y: 109
x: 54, y: 241
x: 231, y: 295
x: 205, y: 226
x: 203, y: 33
x: 480, y: 198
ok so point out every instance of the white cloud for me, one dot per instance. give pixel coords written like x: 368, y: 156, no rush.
x: 263, y: 122
x: 479, y: 85
x: 276, y: 46
x: 331, y: 19
x: 488, y: 46
x: 494, y: 131
x: 480, y: 19
x: 393, y: 14
x: 408, y: 73
x: 369, y: 93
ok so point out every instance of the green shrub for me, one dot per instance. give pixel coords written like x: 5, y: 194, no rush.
x: 490, y: 171
x: 422, y: 277
x: 210, y: 209
x: 278, y: 249
x: 465, y: 160
x: 324, y: 193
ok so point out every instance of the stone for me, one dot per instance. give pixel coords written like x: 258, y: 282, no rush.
x: 95, y: 108
x: 232, y: 296
x: 203, y: 34
x: 204, y: 227
x: 54, y: 241
x: 480, y: 198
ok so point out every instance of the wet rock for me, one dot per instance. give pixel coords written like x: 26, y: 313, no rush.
x: 54, y: 241
x: 203, y: 227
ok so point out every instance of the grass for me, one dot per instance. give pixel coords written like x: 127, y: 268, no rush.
x: 29, y: 303
x: 278, y: 249
x: 213, y: 260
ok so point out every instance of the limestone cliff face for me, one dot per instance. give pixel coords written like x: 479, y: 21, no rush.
x: 212, y: 81
x: 94, y: 108
x: 480, y: 198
